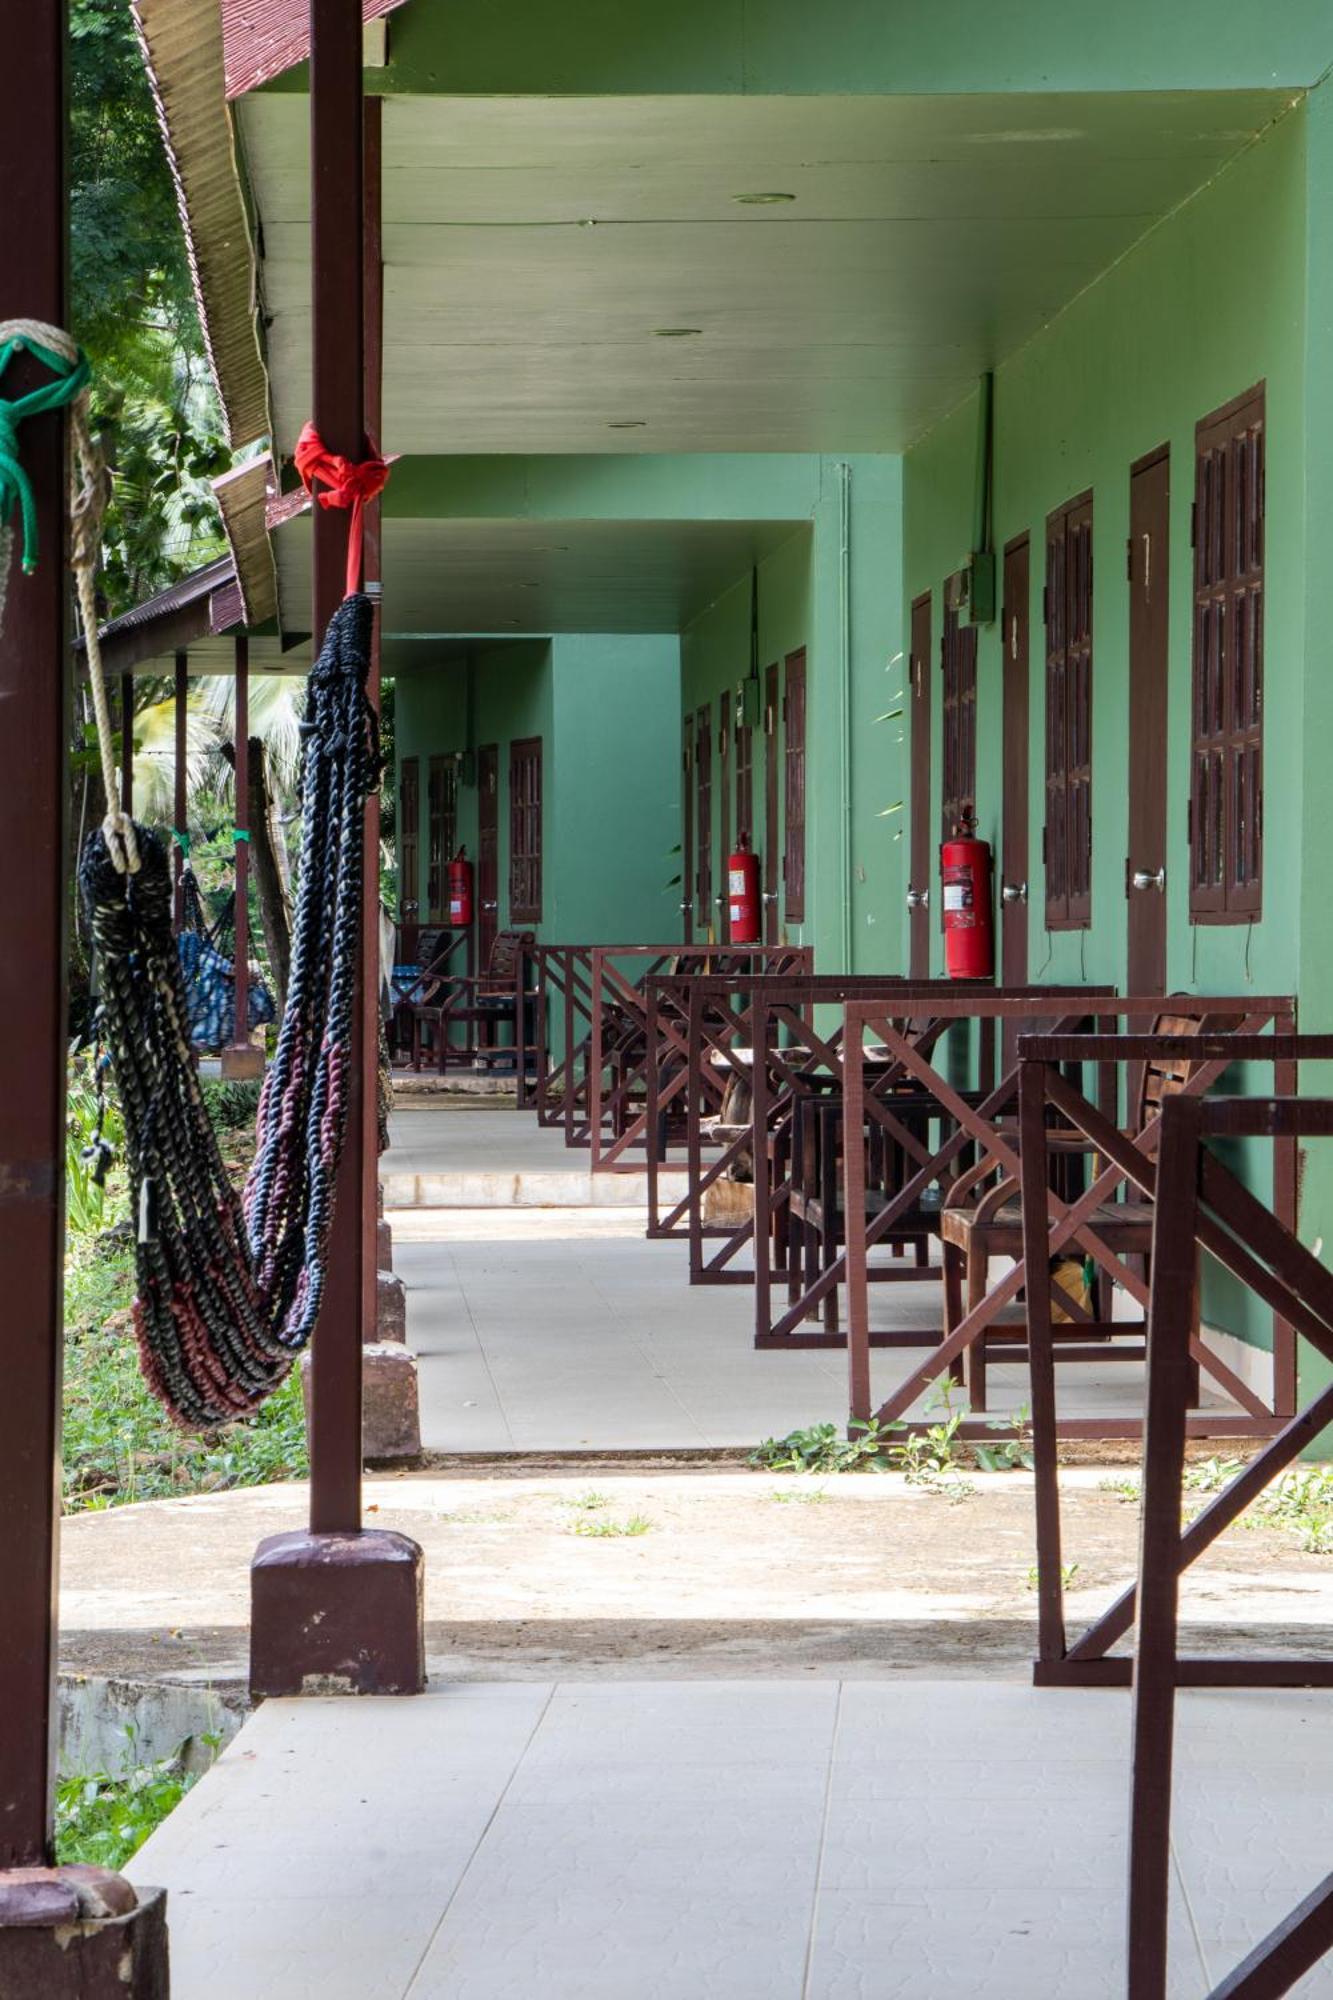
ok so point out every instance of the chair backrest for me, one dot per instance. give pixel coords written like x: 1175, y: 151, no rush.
x: 1166, y: 1076
x: 430, y: 945
x: 504, y: 965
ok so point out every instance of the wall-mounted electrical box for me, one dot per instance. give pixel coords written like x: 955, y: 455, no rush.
x: 976, y: 604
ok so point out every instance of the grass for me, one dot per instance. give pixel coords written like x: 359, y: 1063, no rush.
x: 1300, y: 1503
x: 104, y: 1819
x: 635, y: 1525
x: 119, y: 1444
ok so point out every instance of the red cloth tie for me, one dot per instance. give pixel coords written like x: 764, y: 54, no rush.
x: 335, y: 481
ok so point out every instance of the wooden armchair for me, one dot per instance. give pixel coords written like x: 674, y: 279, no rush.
x: 422, y: 992
x: 483, y: 1004
x: 983, y: 1218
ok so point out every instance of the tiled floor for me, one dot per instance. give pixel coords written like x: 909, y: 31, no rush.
x: 728, y: 1841
x: 560, y: 1330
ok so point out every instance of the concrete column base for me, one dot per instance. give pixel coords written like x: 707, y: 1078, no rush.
x: 384, y: 1244
x: 390, y: 1307
x: 81, y: 1934
x: 390, y: 1401
x: 243, y: 1063
x: 337, y: 1614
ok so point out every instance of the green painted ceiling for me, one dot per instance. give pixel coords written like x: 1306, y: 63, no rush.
x: 522, y: 577
x: 534, y: 247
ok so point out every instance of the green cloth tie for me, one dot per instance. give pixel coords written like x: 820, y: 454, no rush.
x: 70, y: 379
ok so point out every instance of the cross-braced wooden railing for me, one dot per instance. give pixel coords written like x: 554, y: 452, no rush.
x: 1201, y: 1205
x: 594, y: 1085
x: 720, y: 1042
x: 1074, y: 1219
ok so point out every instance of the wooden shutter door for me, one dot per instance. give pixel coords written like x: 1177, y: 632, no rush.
x: 794, y: 862
x: 409, y: 851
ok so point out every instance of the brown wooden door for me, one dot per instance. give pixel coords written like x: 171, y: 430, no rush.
x: 687, y: 830
x: 703, y: 824
x: 1145, y: 864
x: 793, y: 735
x: 723, y: 814
x: 919, y: 850
x: 771, y: 804
x: 488, y: 852
x: 1015, y: 622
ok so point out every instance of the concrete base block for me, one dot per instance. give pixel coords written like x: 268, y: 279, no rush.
x: 337, y: 1614
x: 242, y: 1065
x: 390, y: 1402
x: 50, y: 1946
x: 390, y: 1307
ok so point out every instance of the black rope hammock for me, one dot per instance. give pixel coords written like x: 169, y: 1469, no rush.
x: 229, y: 1286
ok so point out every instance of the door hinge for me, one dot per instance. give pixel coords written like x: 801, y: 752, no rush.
x: 1189, y: 823
x: 1044, y: 832
x: 1194, y: 523
x: 1046, y: 604
x: 1129, y: 559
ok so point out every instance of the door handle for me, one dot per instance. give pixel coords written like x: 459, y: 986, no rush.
x: 918, y: 899
x: 1014, y: 892
x: 687, y: 906
x: 1141, y: 879
x: 490, y: 906
x: 769, y: 896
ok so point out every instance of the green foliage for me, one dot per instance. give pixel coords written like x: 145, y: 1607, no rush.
x: 1068, y: 1571
x: 823, y: 1448
x: 590, y: 1501
x: 1014, y: 1452
x: 233, y: 1107
x: 104, y: 1818
x: 133, y: 310
x: 1301, y: 1502
x: 1211, y: 1475
x: 87, y: 1189
x: 593, y: 1525
x: 795, y: 1496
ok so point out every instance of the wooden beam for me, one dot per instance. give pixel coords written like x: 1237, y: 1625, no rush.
x: 34, y: 699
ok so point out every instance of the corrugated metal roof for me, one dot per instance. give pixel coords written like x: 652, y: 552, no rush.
x: 198, y: 584
x: 262, y: 38
x: 182, y: 42
x: 243, y: 497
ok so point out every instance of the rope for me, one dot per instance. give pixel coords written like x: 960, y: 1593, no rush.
x: 229, y: 1287
x: 90, y: 490
x: 348, y: 483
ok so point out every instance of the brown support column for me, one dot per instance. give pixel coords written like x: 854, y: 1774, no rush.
x: 127, y: 743
x: 179, y: 818
x: 240, y: 1059
x: 45, y: 1948
x: 340, y: 1608
x: 34, y: 698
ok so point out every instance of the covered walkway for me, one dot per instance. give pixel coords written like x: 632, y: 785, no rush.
x: 736, y: 1840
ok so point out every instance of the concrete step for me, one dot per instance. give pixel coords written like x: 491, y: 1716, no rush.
x: 525, y: 1187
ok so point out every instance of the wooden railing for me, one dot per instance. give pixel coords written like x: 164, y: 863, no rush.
x: 988, y: 1130
x: 595, y: 1085
x: 1200, y: 1204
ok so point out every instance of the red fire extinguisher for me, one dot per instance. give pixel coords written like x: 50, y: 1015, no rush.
x: 969, y: 928
x: 743, y: 892
x: 460, y: 891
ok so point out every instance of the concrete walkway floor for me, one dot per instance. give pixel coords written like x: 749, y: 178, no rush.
x: 775, y: 1840
x: 566, y: 1329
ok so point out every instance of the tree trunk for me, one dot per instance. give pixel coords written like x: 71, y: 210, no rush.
x: 268, y: 852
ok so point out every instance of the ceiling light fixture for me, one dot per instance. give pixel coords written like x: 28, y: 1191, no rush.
x: 762, y: 200
x: 675, y: 332
x: 628, y: 424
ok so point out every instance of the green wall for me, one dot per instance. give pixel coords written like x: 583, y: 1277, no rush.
x: 615, y: 805
x: 575, y: 692
x: 836, y: 590
x: 1169, y: 334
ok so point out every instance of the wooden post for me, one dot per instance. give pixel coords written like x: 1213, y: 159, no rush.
x: 241, y: 1059
x: 340, y: 1607
x: 34, y: 699
x: 179, y: 818
x: 127, y: 743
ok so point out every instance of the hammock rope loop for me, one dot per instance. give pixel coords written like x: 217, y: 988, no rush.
x: 229, y: 1286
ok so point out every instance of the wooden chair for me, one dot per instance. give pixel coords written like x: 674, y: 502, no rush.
x: 421, y: 989
x: 481, y: 1006
x: 981, y: 1221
